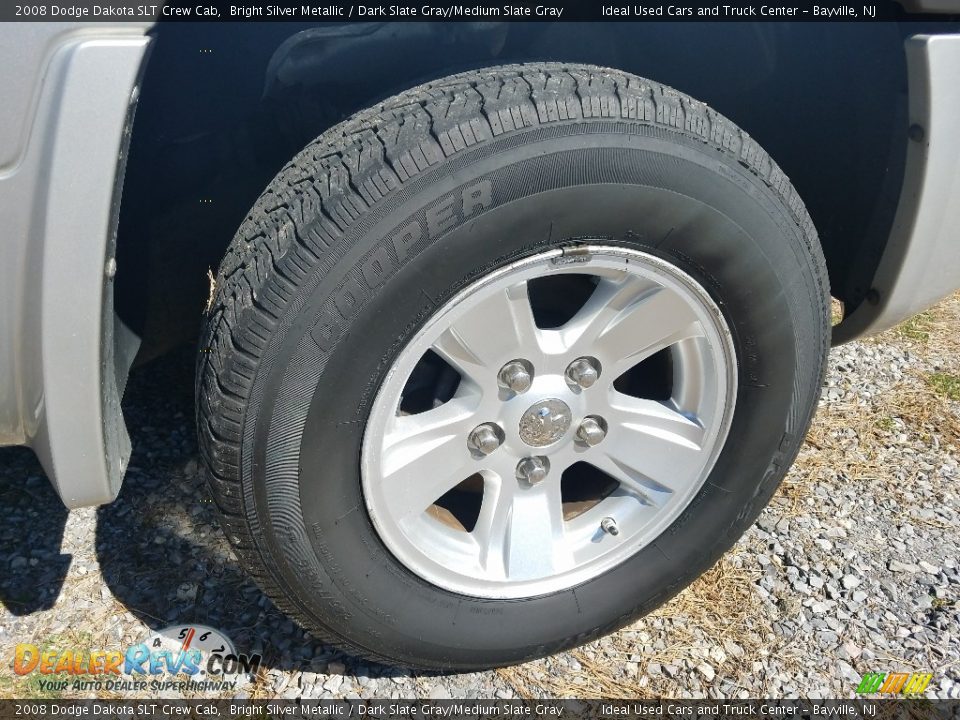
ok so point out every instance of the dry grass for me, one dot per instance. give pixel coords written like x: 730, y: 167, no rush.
x: 932, y: 335
x: 852, y: 439
x: 212, y: 290
x: 836, y: 311
x: 720, y: 607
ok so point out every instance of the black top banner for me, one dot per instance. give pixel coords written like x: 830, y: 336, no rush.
x: 466, y: 11
x: 375, y: 709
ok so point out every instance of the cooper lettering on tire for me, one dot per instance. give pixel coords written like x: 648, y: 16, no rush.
x: 506, y: 361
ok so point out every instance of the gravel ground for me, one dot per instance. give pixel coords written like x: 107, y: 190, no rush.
x: 852, y: 569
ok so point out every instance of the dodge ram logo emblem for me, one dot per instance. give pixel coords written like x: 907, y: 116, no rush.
x: 545, y: 422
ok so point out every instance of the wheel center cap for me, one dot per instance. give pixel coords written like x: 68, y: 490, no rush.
x: 545, y: 422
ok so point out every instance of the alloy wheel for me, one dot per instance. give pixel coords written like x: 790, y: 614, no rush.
x: 549, y: 421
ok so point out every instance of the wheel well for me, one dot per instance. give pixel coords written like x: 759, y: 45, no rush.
x: 224, y: 107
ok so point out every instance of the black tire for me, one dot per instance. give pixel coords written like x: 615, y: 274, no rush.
x: 382, y: 219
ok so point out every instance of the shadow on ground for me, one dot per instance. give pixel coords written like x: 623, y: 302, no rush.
x: 32, y: 519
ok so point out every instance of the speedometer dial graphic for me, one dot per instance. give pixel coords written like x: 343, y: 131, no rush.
x: 177, y: 638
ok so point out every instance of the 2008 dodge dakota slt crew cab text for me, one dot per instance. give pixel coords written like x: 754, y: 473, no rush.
x: 502, y: 340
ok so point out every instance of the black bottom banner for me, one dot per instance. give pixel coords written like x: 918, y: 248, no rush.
x: 884, y: 709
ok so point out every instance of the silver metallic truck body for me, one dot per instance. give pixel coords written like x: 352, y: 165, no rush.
x: 69, y: 92
x: 921, y: 262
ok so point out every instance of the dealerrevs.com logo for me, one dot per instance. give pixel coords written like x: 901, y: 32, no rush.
x: 181, y: 657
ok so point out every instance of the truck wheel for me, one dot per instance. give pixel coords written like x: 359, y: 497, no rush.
x: 506, y: 361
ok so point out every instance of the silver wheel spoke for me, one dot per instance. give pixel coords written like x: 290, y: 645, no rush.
x: 655, y: 450
x: 496, y: 330
x: 627, y: 321
x: 520, y: 531
x: 425, y: 455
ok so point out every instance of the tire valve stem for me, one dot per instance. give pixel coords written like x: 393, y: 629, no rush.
x: 609, y: 526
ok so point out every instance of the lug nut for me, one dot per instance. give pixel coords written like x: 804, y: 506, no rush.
x: 516, y: 375
x: 583, y: 372
x: 609, y: 526
x: 533, y: 469
x: 484, y: 439
x: 592, y: 430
